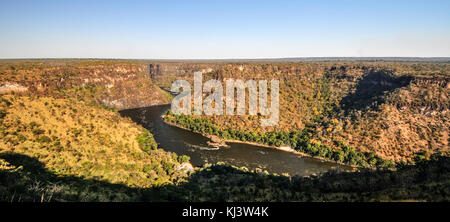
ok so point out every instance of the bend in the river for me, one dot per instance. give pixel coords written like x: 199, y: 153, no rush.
x: 184, y: 142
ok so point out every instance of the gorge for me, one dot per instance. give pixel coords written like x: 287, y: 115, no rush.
x: 93, y: 130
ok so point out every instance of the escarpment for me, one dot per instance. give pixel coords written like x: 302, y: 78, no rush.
x: 395, y: 110
x: 117, y: 84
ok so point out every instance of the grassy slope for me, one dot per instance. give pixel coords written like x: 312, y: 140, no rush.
x: 72, y: 139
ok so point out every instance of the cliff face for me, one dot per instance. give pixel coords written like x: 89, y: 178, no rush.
x: 397, y: 118
x: 393, y: 109
x: 115, y: 84
x: 165, y: 73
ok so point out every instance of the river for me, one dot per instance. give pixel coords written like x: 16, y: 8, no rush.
x: 184, y: 142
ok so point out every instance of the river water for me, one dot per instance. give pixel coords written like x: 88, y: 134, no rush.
x: 184, y: 142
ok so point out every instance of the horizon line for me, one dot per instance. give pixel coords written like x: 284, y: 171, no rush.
x: 315, y: 58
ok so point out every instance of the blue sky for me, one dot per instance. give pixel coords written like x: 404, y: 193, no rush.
x: 223, y: 29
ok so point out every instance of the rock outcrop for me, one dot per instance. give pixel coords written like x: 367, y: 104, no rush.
x: 121, y: 85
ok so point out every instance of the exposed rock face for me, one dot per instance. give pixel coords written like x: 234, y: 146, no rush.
x: 371, y: 88
x: 165, y: 73
x: 216, y: 142
x: 12, y: 87
x: 154, y: 70
x: 120, y: 85
x: 186, y: 166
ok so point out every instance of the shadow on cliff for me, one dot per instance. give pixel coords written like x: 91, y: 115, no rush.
x: 427, y: 180
x: 372, y: 89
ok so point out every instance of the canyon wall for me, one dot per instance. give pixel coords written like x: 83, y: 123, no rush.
x: 393, y: 109
x: 117, y: 84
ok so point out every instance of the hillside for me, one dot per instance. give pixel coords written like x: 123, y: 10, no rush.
x: 64, y: 150
x: 426, y: 181
x: 396, y: 110
x: 61, y: 141
x: 111, y: 83
x: 51, y: 148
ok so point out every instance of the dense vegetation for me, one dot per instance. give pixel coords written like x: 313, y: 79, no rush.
x: 299, y: 140
x: 428, y: 180
x: 25, y: 179
x: 44, y: 139
x: 61, y: 139
x: 395, y: 110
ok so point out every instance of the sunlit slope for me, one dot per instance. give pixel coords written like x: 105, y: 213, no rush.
x: 112, y: 83
x: 72, y: 139
x: 397, y: 110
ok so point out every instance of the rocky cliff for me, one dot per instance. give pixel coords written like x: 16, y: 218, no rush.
x: 393, y: 109
x: 118, y: 84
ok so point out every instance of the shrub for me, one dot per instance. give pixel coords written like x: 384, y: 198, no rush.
x: 21, y: 138
x: 339, y: 156
x: 76, y: 132
x: 183, y: 158
x: 34, y: 125
x: 44, y: 139
x: 37, y: 131
x: 146, y: 141
x: 2, y: 113
x: 168, y: 167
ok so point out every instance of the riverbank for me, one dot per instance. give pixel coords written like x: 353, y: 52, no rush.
x: 198, y: 147
x: 282, y: 148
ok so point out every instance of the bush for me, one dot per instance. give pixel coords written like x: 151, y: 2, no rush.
x: 339, y: 156
x: 183, y: 158
x: 146, y: 141
x: 44, y: 139
x: 21, y: 138
x: 76, y: 132
x: 34, y: 125
x: 168, y: 167
x: 37, y: 131
x: 2, y: 113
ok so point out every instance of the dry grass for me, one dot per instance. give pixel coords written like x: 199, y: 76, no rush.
x: 395, y: 125
x: 74, y: 139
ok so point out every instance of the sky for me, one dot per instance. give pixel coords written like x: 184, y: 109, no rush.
x: 223, y: 29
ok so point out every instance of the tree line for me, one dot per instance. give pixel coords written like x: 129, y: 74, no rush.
x: 298, y: 140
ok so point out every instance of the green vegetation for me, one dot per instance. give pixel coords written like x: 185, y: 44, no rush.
x: 146, y: 141
x: 299, y: 140
x: 67, y: 143
x: 426, y: 181
x: 23, y: 178
x: 66, y: 150
x: 393, y: 109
